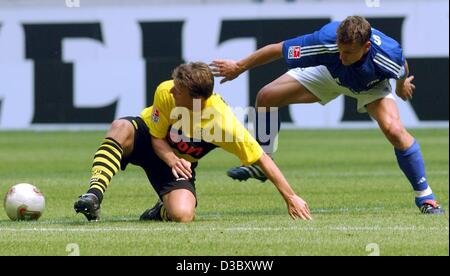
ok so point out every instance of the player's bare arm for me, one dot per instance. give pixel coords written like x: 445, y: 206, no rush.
x: 297, y: 207
x: 405, y: 87
x: 231, y: 69
x: 181, y: 168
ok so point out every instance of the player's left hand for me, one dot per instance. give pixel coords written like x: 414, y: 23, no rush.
x: 182, y: 169
x: 406, y: 90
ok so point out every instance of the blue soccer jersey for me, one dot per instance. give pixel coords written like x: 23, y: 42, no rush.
x: 383, y: 61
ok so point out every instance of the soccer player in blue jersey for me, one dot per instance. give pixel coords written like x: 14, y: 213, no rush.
x: 349, y: 58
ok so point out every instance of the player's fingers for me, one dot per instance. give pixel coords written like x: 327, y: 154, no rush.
x: 293, y: 216
x: 413, y: 86
x: 409, y: 94
x: 305, y: 212
x: 187, y: 172
x: 183, y: 171
x: 220, y: 64
x: 183, y: 174
x: 186, y: 165
x: 410, y: 78
x: 216, y: 62
x: 215, y: 69
x: 187, y: 168
x: 219, y: 75
x: 174, y: 172
x: 307, y: 208
x: 301, y: 215
x: 307, y: 215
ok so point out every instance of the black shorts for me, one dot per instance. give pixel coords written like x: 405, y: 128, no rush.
x: 158, y: 172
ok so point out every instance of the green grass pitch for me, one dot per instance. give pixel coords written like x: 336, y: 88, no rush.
x: 357, y: 194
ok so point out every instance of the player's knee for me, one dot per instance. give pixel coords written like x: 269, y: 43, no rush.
x: 264, y: 97
x: 395, y: 131
x: 123, y: 132
x: 182, y: 214
x: 122, y: 125
x: 122, y: 129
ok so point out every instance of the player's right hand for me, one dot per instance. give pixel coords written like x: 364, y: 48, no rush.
x: 182, y: 169
x: 298, y: 208
x: 229, y: 69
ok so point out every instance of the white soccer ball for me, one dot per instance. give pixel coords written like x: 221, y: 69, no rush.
x: 24, y: 202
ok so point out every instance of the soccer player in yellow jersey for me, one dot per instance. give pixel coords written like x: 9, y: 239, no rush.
x: 186, y: 121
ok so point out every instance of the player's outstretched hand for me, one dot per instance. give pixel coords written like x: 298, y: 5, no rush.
x: 406, y: 90
x: 229, y: 69
x: 298, y: 208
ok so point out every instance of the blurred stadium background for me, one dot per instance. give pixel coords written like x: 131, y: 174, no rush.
x: 76, y: 65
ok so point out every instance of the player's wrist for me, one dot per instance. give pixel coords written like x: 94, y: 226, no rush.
x: 172, y: 162
x: 241, y: 67
x: 400, y: 84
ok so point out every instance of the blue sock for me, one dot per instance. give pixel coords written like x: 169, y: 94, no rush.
x: 411, y: 163
x: 267, y: 127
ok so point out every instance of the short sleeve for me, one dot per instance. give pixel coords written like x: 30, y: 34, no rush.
x: 313, y: 49
x: 238, y: 141
x: 159, y: 112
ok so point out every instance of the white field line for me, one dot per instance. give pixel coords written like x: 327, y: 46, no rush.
x: 396, y: 173
x: 360, y: 173
x: 346, y: 210
x: 391, y: 173
x: 229, y: 229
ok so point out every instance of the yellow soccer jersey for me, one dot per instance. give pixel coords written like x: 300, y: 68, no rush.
x: 192, y: 135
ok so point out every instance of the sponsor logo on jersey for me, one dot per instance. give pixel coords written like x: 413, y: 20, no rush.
x: 155, y: 115
x: 294, y: 52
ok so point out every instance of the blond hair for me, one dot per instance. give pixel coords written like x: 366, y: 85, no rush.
x: 196, y: 77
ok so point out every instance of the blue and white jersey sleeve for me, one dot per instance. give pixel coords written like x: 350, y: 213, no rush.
x: 318, y: 48
x: 388, y: 55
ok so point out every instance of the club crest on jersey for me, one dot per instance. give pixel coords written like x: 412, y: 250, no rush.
x: 155, y: 115
x: 294, y: 52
